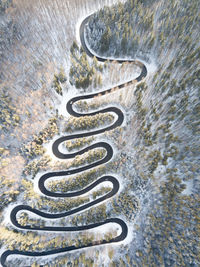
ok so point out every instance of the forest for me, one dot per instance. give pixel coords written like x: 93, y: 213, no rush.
x: 156, y: 149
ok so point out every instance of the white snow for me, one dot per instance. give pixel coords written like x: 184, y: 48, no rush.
x: 189, y: 187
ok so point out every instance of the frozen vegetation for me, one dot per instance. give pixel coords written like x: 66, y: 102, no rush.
x: 156, y: 150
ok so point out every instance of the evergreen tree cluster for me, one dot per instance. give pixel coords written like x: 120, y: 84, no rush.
x: 83, y: 72
x: 140, y: 27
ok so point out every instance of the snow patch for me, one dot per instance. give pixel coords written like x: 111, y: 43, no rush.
x: 189, y: 186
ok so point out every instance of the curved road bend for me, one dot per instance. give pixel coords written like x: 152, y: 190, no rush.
x: 58, y: 154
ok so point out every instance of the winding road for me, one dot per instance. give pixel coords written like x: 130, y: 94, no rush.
x: 59, y: 154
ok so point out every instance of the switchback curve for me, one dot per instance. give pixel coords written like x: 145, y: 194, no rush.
x: 58, y: 154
